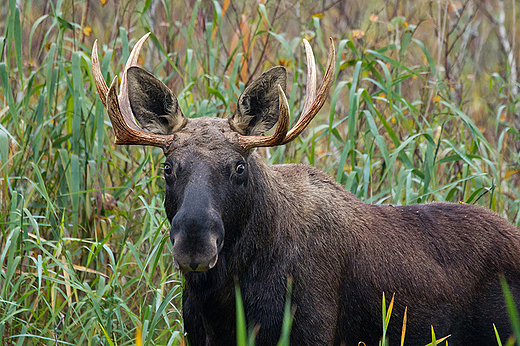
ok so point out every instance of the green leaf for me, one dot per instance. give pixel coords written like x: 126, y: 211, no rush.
x: 64, y: 24
x: 241, y: 326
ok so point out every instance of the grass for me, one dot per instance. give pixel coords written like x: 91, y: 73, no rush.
x: 424, y: 107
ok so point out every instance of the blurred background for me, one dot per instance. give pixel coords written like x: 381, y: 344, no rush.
x: 424, y: 108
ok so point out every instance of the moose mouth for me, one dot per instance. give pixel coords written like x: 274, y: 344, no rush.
x: 196, y: 266
x: 197, y: 254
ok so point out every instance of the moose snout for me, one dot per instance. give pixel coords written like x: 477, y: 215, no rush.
x: 196, y: 240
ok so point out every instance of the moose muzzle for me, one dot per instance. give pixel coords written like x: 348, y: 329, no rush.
x: 196, y: 238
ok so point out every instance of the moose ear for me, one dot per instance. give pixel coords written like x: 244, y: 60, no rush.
x: 154, y: 105
x: 257, y: 108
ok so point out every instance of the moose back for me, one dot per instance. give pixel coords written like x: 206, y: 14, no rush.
x: 235, y: 219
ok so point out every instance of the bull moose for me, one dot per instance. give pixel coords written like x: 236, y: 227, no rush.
x: 235, y: 219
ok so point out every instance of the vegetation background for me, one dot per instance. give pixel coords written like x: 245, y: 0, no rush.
x: 424, y: 107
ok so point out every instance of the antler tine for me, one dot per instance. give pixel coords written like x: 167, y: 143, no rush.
x: 134, y: 55
x: 249, y: 142
x: 101, y: 85
x: 314, y: 104
x: 124, y: 101
x: 124, y: 133
x: 310, y: 91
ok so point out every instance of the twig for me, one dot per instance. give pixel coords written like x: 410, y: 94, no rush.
x: 504, y: 41
x: 56, y: 329
x: 255, y: 70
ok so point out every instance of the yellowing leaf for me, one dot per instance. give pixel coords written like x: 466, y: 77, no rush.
x: 308, y: 35
x: 66, y: 275
x: 138, y: 336
x: 404, y: 326
x: 284, y: 62
x: 225, y: 6
x: 373, y: 17
x: 358, y: 34
x: 103, y: 2
x: 87, y: 30
x: 510, y: 173
x: 88, y: 270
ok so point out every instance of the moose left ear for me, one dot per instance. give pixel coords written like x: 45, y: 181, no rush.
x: 257, y: 108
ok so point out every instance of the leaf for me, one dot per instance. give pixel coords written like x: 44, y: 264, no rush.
x: 241, y: 326
x: 373, y: 17
x: 87, y: 30
x: 109, y: 340
x: 403, y: 333
x: 139, y: 336
x: 64, y: 23
x: 512, y: 310
x: 358, y: 34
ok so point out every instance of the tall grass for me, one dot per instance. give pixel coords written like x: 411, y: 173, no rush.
x: 422, y: 109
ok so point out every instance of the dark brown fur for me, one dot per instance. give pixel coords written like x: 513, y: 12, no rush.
x: 441, y: 260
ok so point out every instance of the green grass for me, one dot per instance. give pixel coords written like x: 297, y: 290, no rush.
x: 422, y: 109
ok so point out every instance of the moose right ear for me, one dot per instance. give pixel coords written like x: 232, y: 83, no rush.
x: 154, y: 105
x: 257, y: 108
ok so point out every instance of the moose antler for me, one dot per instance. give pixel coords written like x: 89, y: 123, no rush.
x: 118, y: 108
x: 128, y: 131
x: 313, y: 103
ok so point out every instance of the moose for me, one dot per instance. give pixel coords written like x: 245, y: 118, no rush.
x: 238, y: 221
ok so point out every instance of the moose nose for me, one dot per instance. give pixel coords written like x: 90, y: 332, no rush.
x: 196, y: 240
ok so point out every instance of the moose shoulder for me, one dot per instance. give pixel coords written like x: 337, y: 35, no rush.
x: 234, y: 218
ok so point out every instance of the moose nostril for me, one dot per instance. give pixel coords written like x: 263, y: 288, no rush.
x: 194, y: 266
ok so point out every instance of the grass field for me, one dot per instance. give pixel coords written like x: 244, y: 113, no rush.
x: 424, y: 107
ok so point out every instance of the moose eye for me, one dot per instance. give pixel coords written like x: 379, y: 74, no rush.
x: 240, y: 168
x: 167, y: 169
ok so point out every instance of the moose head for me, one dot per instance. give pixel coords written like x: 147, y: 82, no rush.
x: 210, y: 163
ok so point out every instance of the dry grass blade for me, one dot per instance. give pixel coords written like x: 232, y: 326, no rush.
x: 403, y: 330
